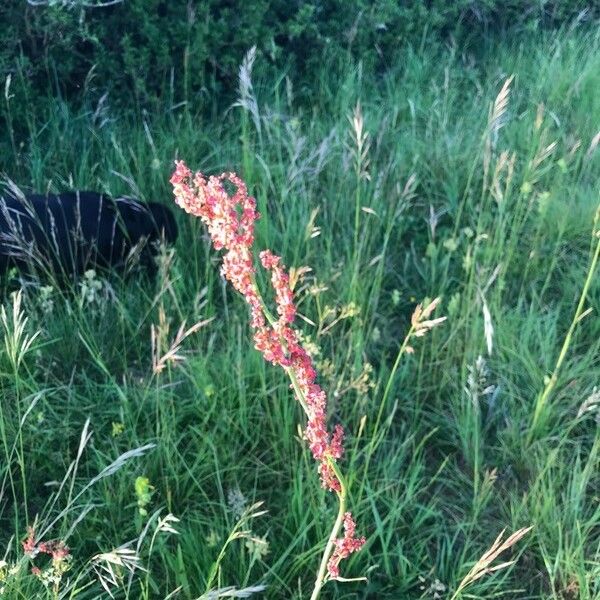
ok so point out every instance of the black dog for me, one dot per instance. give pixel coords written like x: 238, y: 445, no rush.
x: 66, y: 234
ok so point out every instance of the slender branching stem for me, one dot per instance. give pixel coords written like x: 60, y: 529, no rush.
x: 329, y: 548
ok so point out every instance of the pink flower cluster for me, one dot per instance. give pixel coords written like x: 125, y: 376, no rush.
x: 345, y: 546
x: 230, y: 219
x: 57, y: 549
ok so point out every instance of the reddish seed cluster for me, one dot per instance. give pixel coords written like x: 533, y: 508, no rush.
x: 230, y: 219
x: 345, y: 546
x: 230, y: 222
x: 57, y: 549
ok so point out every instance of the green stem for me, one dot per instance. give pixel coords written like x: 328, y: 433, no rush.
x: 388, y: 386
x: 543, y: 397
x: 386, y: 393
x: 215, y: 567
x: 322, y: 573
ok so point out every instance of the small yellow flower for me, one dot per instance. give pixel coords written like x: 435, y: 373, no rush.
x: 117, y: 429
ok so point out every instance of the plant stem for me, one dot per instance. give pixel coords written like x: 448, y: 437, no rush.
x: 551, y: 383
x: 382, y: 404
x: 322, y: 573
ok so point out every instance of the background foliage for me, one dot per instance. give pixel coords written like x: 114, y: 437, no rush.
x: 452, y: 201
x: 142, y: 50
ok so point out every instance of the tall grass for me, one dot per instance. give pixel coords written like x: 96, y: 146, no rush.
x: 451, y: 180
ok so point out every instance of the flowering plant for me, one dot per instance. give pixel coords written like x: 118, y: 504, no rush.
x: 61, y: 556
x: 230, y: 219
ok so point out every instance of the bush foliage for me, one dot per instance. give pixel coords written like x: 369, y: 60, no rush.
x: 152, y: 49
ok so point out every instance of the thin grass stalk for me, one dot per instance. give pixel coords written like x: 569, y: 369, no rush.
x: 8, y: 467
x: 542, y: 399
x: 382, y: 404
x: 420, y: 324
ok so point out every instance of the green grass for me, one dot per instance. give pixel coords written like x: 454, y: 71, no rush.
x: 460, y: 206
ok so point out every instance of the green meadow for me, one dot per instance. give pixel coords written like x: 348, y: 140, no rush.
x: 468, y: 176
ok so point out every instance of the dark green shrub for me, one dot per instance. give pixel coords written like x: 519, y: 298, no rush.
x: 148, y: 50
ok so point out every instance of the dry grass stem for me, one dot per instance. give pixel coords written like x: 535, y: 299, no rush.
x: 172, y: 355
x: 484, y: 565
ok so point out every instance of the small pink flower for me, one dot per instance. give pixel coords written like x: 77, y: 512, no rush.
x: 57, y: 549
x: 345, y: 546
x: 328, y: 477
x: 337, y: 447
x: 29, y: 546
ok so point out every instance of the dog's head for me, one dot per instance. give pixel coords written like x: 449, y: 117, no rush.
x: 163, y: 221
x: 152, y: 221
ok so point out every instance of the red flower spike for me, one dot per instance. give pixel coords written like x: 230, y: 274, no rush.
x: 230, y: 222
